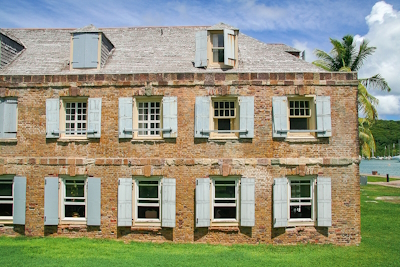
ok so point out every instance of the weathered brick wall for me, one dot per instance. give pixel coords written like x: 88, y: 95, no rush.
x: 187, y: 158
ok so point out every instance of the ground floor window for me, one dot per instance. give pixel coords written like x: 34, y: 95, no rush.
x: 74, y: 199
x: 148, y: 200
x: 6, y: 198
x: 301, y: 198
x: 225, y: 199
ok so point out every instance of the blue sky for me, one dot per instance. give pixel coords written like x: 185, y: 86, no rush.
x: 306, y: 25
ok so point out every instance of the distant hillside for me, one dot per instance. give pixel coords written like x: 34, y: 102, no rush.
x: 386, y: 133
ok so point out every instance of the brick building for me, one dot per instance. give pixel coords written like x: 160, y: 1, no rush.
x: 183, y: 134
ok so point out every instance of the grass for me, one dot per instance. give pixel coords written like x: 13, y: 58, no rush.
x: 379, y: 247
x: 380, y: 179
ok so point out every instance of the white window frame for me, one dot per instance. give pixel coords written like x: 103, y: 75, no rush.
x: 211, y: 48
x: 64, y: 202
x: 311, y: 119
x: 136, y: 121
x: 63, y: 117
x: 135, y: 207
x: 234, y: 120
x: 312, y: 198
x: 236, y: 199
x: 7, y: 179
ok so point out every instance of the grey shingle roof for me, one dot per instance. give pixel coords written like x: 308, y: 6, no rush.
x: 145, y: 50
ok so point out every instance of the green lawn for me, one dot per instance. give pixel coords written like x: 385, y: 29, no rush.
x: 380, y: 246
x: 380, y: 179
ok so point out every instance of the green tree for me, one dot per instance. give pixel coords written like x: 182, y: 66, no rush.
x: 346, y: 56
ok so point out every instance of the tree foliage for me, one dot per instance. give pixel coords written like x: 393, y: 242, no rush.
x: 386, y: 133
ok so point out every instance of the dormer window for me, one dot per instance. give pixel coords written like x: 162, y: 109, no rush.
x: 216, y: 48
x: 90, y: 48
x: 9, y: 49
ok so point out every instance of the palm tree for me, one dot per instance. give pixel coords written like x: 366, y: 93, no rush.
x: 345, y: 57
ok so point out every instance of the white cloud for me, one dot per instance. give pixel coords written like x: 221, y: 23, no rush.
x: 384, y: 34
x: 303, y: 46
x: 388, y: 105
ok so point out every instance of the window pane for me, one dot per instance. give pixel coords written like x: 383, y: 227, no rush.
x: 300, y: 212
x: 76, y: 211
x: 148, y: 191
x: 298, y: 124
x: 6, y: 190
x: 75, y: 190
x: 224, y: 212
x: 6, y: 209
x: 224, y: 191
x: 148, y: 212
x: 224, y: 124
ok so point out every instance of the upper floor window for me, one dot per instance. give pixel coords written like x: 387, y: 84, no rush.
x: 148, y: 117
x: 224, y: 117
x: 73, y: 118
x: 8, y: 118
x: 216, y: 48
x: 301, y: 117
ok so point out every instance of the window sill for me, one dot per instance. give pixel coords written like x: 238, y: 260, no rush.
x: 8, y: 140
x: 223, y: 140
x: 301, y: 139
x: 73, y: 222
x: 7, y: 222
x: 70, y: 140
x: 301, y: 223
x: 219, y: 224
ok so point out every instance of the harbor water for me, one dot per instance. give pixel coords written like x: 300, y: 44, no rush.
x: 383, y: 167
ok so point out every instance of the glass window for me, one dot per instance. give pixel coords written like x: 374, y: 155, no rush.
x: 148, y: 199
x: 218, y: 47
x: 301, y: 199
x: 6, y: 197
x: 299, y: 114
x: 225, y: 199
x: 75, y: 118
x: 224, y: 114
x: 74, y: 201
x: 149, y: 117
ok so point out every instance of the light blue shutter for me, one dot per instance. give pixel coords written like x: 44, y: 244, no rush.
x: 52, y: 117
x: 94, y: 118
x: 19, y: 207
x: 202, y: 202
x: 280, y: 203
x: 94, y: 201
x: 324, y: 116
x: 78, y: 53
x: 91, y: 50
x: 280, y: 118
x: 247, y: 202
x: 51, y: 201
x: 168, y: 204
x: 202, y: 116
x: 125, y: 202
x: 2, y: 118
x: 125, y: 117
x: 324, y: 202
x: 201, y: 49
x: 229, y: 47
x: 10, y: 118
x: 170, y: 116
x: 246, y: 116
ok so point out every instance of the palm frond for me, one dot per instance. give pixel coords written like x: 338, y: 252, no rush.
x: 363, y: 52
x: 376, y: 82
x: 367, y: 103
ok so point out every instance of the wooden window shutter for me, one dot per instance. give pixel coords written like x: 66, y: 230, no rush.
x: 2, y: 118
x: 202, y: 116
x: 125, y: 202
x: 202, y: 202
x: 91, y: 50
x: 10, y: 118
x: 280, y: 118
x: 51, y: 201
x: 52, y: 118
x: 19, y: 207
x: 324, y: 202
x: 201, y: 49
x: 125, y: 119
x: 168, y: 204
x: 170, y: 116
x: 94, y: 118
x: 246, y: 119
x: 324, y: 116
x: 247, y: 202
x: 93, y: 201
x: 229, y: 48
x: 78, y: 53
x: 280, y: 204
